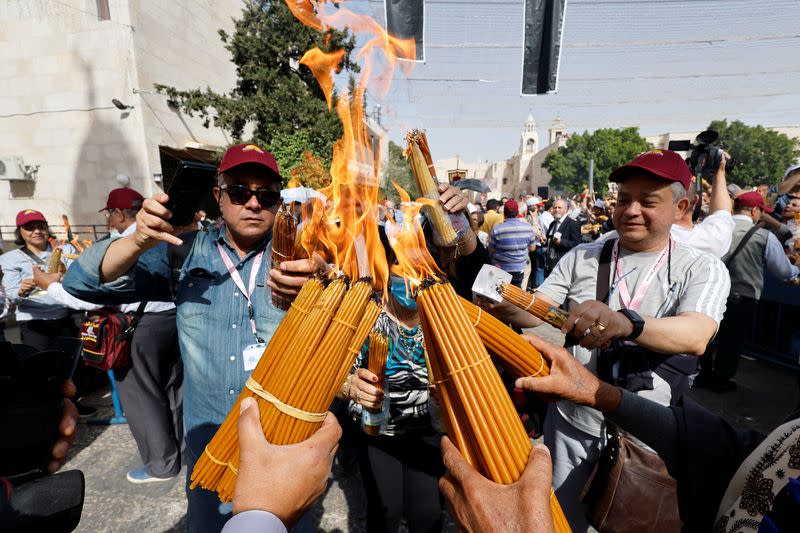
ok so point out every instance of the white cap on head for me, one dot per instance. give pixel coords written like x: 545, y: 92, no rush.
x: 471, y: 208
x: 791, y: 169
x: 533, y: 200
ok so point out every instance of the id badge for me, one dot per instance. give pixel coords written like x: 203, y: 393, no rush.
x: 251, y: 354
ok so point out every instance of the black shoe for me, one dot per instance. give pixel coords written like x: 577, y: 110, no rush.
x: 85, y: 411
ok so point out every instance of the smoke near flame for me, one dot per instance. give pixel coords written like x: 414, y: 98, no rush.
x: 345, y: 228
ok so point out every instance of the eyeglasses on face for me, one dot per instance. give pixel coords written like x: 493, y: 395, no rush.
x: 240, y: 195
x: 33, y: 226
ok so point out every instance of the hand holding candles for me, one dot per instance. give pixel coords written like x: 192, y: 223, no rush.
x: 365, y: 389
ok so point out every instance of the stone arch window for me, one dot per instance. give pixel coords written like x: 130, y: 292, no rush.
x: 530, y: 144
x: 527, y: 178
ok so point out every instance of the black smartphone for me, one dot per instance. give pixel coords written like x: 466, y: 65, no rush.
x: 191, y: 186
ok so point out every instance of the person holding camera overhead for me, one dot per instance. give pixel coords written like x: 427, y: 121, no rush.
x: 631, y: 301
x: 224, y: 268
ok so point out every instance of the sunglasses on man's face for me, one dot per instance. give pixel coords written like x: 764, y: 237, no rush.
x: 240, y: 195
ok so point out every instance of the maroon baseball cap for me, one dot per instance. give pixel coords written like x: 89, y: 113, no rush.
x: 123, y: 198
x: 751, y: 199
x: 29, y: 215
x: 241, y: 154
x: 664, y: 164
x: 509, y: 206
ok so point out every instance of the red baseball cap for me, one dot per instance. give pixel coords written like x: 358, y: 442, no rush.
x: 751, y: 199
x: 123, y: 198
x: 510, y: 205
x: 29, y: 215
x: 664, y: 164
x: 241, y: 154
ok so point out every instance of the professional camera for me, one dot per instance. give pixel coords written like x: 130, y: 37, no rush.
x: 705, y: 159
x: 31, y: 407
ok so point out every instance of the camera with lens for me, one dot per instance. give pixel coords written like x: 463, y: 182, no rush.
x: 31, y: 408
x: 705, y: 158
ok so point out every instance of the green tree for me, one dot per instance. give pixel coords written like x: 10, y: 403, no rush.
x: 610, y: 148
x: 761, y: 154
x: 396, y: 168
x: 275, y: 95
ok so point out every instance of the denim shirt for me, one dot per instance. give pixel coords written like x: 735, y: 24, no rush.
x: 213, y: 321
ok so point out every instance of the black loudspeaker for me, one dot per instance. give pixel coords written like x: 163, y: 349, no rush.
x: 51, y: 503
x: 543, y: 192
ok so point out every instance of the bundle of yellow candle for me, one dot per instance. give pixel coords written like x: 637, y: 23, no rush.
x: 376, y: 363
x: 419, y: 158
x: 298, y: 375
x: 514, y: 352
x: 284, y: 234
x: 478, y: 414
x: 553, y: 315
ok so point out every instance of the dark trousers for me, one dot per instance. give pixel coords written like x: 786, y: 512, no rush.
x: 151, y: 393
x: 204, y: 513
x: 43, y: 334
x: 516, y: 278
x: 721, y: 360
x: 401, y: 478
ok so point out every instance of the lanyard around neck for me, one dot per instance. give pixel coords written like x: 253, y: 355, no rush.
x: 621, y: 284
x: 237, y: 280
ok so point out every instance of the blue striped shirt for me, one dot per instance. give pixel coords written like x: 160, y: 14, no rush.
x: 510, y: 241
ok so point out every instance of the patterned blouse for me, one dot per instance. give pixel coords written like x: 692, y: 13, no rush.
x: 406, y: 377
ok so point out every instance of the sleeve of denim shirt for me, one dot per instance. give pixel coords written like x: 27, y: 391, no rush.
x: 149, y: 279
x: 254, y: 522
x: 776, y: 261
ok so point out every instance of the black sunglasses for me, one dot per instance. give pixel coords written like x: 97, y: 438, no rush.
x: 240, y: 195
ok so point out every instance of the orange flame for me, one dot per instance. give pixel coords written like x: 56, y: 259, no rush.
x: 345, y: 229
x: 323, y: 66
x: 414, y: 261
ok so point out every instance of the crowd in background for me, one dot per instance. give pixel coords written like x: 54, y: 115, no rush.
x: 706, y: 250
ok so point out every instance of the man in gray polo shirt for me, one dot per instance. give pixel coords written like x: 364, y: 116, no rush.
x: 663, y: 296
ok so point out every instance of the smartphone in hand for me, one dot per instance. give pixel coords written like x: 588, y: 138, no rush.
x: 192, y: 184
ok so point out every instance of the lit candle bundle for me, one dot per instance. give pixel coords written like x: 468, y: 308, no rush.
x: 478, y: 414
x: 419, y: 158
x: 284, y: 234
x: 553, y: 315
x: 376, y: 363
x: 514, y: 352
x: 295, y: 381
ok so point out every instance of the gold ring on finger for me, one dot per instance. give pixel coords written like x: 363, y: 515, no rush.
x: 600, y: 326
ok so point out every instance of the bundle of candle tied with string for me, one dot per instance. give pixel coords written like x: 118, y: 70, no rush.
x: 494, y: 284
x: 477, y: 412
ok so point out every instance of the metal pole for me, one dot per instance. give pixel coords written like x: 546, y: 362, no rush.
x: 591, y: 177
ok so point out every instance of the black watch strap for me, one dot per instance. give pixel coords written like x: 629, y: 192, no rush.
x: 636, y: 320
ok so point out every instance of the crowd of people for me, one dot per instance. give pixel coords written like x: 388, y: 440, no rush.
x: 660, y: 283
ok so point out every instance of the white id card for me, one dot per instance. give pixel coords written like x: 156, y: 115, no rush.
x: 251, y: 354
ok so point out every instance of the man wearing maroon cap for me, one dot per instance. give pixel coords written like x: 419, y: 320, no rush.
x: 222, y: 293
x: 753, y: 251
x: 633, y: 302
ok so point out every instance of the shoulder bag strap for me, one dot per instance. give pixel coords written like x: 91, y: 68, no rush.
x: 33, y: 256
x: 738, y: 249
x: 604, y: 271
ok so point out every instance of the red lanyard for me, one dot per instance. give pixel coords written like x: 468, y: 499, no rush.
x: 237, y: 279
x: 622, y: 286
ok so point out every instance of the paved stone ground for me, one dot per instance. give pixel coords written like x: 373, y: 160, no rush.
x: 765, y: 396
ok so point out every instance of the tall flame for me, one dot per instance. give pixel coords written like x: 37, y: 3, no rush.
x: 414, y: 262
x: 345, y: 228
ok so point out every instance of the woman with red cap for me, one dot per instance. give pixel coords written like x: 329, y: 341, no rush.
x: 41, y: 319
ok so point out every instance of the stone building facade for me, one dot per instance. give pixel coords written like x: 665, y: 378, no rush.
x: 522, y: 173
x: 61, y: 66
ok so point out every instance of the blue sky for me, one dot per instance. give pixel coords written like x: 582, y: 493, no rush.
x: 666, y: 65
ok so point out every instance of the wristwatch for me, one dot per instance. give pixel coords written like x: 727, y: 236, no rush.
x: 636, y: 320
